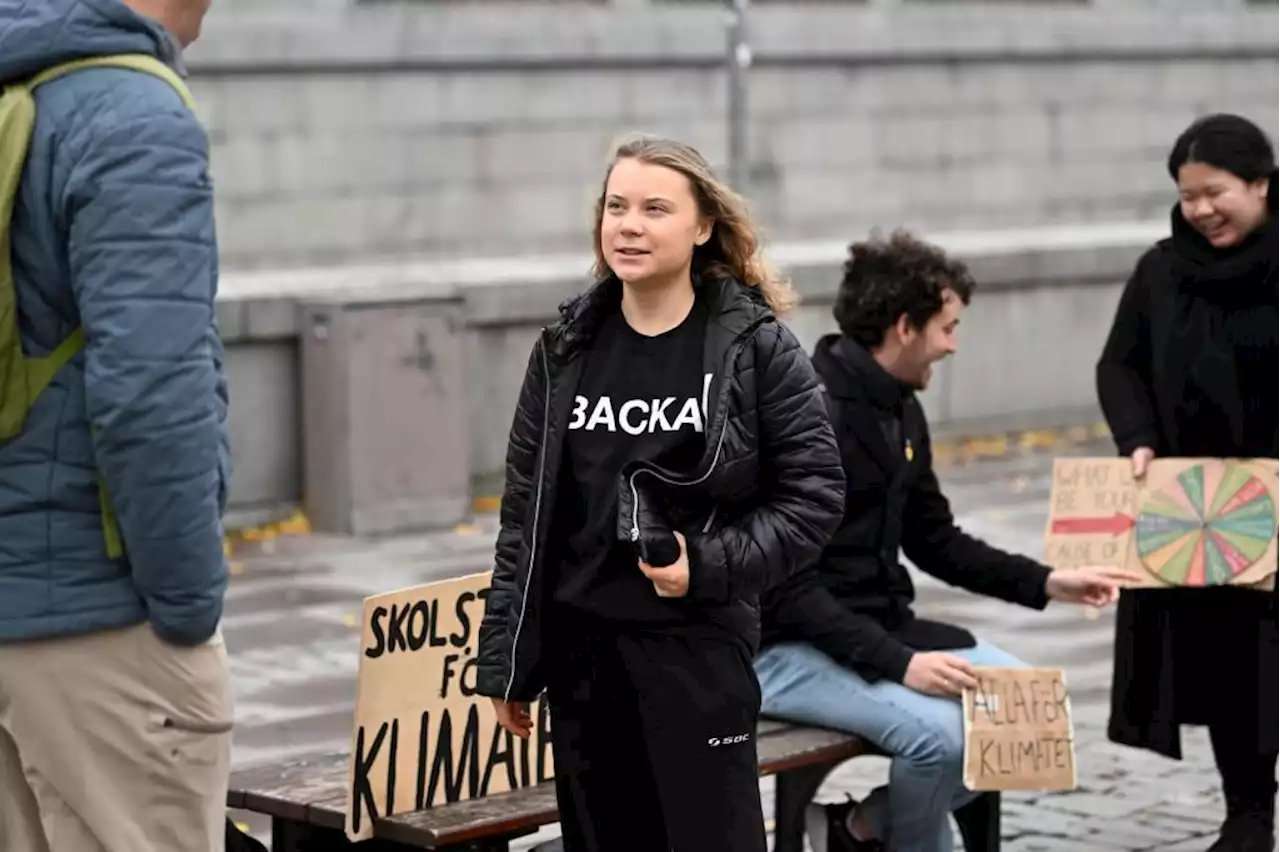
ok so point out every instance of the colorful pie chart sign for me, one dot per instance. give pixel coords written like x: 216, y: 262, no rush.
x: 1207, y: 526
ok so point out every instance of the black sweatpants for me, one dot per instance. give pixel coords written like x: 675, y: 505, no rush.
x: 653, y: 736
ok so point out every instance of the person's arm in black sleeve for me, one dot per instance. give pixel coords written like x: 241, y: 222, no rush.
x: 936, y: 545
x: 804, y: 501
x: 524, y: 445
x: 802, y: 606
x: 1123, y: 373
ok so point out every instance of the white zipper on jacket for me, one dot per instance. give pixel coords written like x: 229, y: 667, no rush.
x: 635, y: 497
x: 537, y: 508
x: 711, y: 519
x: 715, y: 459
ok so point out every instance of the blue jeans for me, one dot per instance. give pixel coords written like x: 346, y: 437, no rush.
x: 923, y: 733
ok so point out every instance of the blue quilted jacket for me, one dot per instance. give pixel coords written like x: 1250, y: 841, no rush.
x: 113, y: 230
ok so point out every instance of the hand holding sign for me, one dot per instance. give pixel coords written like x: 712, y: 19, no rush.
x: 938, y: 673
x: 1141, y: 457
x: 673, y: 580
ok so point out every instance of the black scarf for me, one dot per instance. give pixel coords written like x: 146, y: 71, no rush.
x: 1238, y: 275
x: 1223, y: 339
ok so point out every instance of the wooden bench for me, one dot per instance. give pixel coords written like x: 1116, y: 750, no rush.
x: 306, y: 800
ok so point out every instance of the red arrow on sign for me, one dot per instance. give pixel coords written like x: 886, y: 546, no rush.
x: 1116, y: 524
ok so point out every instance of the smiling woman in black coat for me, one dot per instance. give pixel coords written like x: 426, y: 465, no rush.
x: 1189, y: 370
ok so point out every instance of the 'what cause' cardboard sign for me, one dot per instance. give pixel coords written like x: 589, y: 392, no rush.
x: 1187, y: 523
x: 422, y: 735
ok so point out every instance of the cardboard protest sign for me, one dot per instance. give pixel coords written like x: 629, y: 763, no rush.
x: 1017, y: 731
x: 1188, y: 522
x: 422, y: 736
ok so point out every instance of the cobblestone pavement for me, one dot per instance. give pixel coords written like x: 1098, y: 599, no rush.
x: 292, y: 619
x: 1125, y: 800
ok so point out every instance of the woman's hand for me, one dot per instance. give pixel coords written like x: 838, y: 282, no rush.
x: 1089, y: 586
x: 673, y: 580
x: 514, y: 716
x: 1141, y: 457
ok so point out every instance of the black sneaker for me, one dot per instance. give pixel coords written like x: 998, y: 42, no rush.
x: 828, y: 829
x: 1246, y: 832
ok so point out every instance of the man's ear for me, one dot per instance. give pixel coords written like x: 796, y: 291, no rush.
x: 904, y: 330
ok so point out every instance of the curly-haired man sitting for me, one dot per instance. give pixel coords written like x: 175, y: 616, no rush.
x: 841, y: 647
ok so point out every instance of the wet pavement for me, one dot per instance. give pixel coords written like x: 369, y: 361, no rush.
x: 292, y: 628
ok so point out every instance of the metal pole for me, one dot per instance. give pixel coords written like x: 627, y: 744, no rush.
x: 739, y: 60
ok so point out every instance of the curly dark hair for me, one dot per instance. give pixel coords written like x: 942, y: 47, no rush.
x: 886, y: 278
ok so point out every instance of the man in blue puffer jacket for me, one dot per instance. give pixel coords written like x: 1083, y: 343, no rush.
x: 115, y: 696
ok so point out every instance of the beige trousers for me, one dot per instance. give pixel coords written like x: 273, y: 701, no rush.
x: 114, y: 742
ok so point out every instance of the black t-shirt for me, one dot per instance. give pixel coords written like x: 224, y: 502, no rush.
x: 640, y: 398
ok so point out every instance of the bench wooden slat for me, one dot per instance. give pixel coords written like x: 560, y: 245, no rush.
x: 290, y: 790
x: 771, y: 726
x: 781, y: 747
x: 314, y: 791
x: 330, y: 810
x: 526, y: 809
x: 794, y: 747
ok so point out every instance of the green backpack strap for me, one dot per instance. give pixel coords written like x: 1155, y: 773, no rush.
x: 17, y: 117
x: 130, y: 61
x: 23, y: 378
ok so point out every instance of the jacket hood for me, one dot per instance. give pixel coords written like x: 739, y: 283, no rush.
x: 37, y: 34
x: 831, y: 370
x: 848, y: 370
x: 822, y: 353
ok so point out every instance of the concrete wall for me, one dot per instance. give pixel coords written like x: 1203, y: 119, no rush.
x: 344, y: 130
x: 1028, y: 346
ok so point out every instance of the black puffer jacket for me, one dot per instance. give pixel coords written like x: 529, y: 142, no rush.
x: 760, y: 504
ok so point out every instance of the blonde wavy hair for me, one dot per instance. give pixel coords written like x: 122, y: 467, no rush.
x: 733, y: 249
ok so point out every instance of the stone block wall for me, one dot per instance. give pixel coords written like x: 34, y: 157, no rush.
x: 343, y: 131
